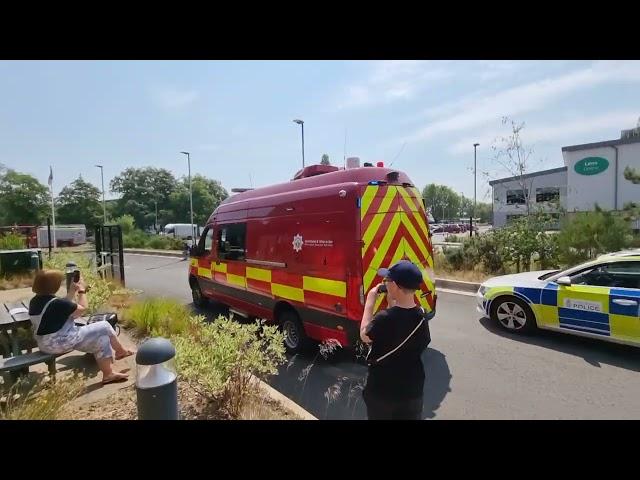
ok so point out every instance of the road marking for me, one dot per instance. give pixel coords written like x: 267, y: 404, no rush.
x: 153, y: 256
x: 455, y: 292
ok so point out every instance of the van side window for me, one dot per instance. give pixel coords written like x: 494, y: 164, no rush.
x: 232, y: 241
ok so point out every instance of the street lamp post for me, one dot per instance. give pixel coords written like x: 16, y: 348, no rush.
x: 104, y: 208
x: 190, y: 194
x: 301, y: 123
x: 475, y: 169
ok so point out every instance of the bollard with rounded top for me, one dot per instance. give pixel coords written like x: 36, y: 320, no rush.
x: 156, y: 380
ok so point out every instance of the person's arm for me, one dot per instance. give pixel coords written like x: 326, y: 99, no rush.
x: 367, y: 316
x: 79, y: 290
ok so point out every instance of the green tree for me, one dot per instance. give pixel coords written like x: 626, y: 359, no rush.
x: 632, y: 175
x: 442, y: 201
x: 23, y: 199
x: 79, y: 202
x: 207, y: 195
x: 140, y: 189
x: 325, y: 159
x: 586, y: 235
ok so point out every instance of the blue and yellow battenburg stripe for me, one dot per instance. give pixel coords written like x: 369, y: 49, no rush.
x: 552, y: 307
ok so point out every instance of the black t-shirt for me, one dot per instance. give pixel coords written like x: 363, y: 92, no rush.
x: 57, y: 313
x: 400, y: 376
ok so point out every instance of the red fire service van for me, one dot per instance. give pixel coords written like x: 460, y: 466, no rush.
x: 303, y: 254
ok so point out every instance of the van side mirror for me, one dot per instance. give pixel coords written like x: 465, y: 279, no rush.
x: 564, y: 281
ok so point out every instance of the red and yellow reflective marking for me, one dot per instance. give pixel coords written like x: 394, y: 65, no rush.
x: 399, y: 213
x: 222, y: 271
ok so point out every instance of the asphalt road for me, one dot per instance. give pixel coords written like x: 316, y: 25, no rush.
x: 474, y: 370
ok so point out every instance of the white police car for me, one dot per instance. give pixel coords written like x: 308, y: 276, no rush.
x: 599, y: 299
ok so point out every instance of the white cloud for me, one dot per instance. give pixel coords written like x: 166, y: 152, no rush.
x: 474, y: 112
x: 391, y: 80
x: 170, y: 98
x: 567, y: 130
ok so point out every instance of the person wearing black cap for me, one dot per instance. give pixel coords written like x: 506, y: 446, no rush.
x: 398, y: 336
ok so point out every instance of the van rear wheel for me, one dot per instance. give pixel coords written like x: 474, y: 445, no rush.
x: 295, y: 338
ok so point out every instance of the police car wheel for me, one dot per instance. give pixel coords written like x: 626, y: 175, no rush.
x: 295, y: 338
x: 513, y: 315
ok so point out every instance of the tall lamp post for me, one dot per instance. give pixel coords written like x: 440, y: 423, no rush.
x: 193, y: 235
x: 301, y: 123
x: 104, y: 208
x: 475, y: 170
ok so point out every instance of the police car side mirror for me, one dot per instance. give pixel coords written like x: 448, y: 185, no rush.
x: 565, y: 281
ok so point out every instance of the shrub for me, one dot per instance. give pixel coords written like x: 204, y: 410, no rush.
x: 586, y: 235
x: 158, y: 317
x: 135, y: 239
x: 12, y: 241
x: 127, y: 223
x: 221, y: 359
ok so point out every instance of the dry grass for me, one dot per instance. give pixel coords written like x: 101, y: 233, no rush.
x: 261, y: 407
x: 464, y: 275
x: 40, y: 400
x: 121, y: 405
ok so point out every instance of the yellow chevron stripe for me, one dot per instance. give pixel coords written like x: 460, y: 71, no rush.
x: 367, y: 198
x: 425, y: 276
x: 204, y: 272
x: 373, y: 267
x: 414, y: 212
x: 418, y: 197
x: 377, y: 219
x: 415, y: 236
x: 396, y: 256
x: 290, y: 293
x: 259, y: 274
x: 323, y: 285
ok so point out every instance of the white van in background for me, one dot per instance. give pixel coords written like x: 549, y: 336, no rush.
x: 65, y: 235
x: 181, y: 230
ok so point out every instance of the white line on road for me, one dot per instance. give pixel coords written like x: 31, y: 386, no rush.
x: 455, y: 292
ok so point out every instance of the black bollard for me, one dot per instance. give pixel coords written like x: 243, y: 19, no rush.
x: 156, y: 380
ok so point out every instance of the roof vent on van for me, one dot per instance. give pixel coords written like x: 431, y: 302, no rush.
x: 313, y: 170
x: 240, y: 190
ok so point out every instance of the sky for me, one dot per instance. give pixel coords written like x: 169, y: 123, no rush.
x: 236, y: 117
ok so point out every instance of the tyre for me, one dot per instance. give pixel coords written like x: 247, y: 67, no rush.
x: 199, y: 300
x: 513, y: 315
x: 295, y: 338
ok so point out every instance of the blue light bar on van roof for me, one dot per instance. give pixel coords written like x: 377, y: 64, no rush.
x: 374, y: 182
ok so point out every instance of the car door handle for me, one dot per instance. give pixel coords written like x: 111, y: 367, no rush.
x: 625, y: 303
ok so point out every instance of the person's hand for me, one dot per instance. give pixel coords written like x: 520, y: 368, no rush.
x: 75, y: 287
x: 374, y: 291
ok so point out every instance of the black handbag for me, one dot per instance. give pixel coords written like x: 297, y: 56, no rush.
x: 112, y: 318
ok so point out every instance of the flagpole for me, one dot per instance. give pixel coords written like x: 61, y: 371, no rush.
x: 53, y: 210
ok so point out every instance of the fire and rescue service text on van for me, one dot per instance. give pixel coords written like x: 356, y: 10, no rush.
x: 304, y: 253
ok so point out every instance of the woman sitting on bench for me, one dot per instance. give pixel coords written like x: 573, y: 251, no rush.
x: 56, y: 332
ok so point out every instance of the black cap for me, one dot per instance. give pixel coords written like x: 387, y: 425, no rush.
x: 404, y: 273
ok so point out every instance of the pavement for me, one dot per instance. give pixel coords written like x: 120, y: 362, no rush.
x: 474, y: 369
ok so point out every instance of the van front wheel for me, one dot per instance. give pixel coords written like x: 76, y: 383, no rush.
x: 295, y: 338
